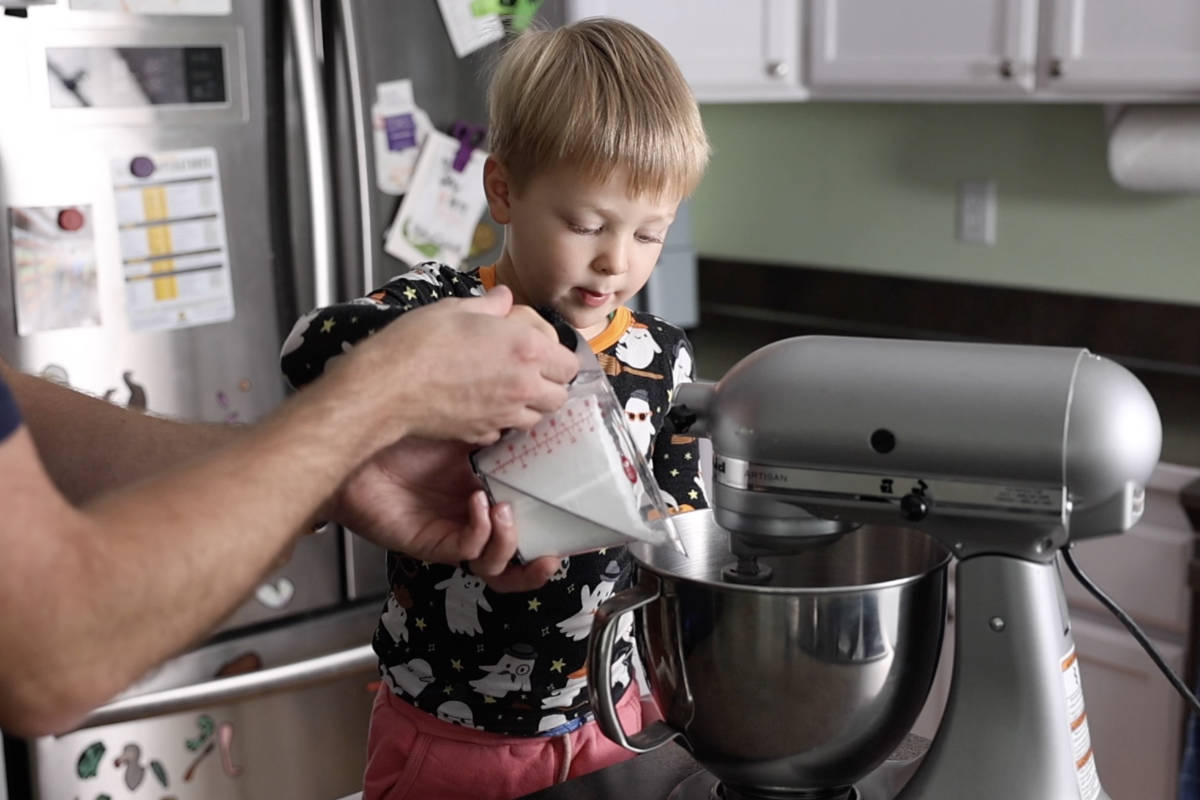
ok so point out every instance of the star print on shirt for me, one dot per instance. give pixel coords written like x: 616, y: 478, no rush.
x: 420, y: 623
x: 535, y: 604
x: 557, y: 665
x: 693, y: 495
x: 410, y: 293
x: 674, y: 473
x: 456, y: 664
x: 327, y: 326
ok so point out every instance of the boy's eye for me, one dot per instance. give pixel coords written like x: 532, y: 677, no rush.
x: 650, y: 238
x: 584, y: 229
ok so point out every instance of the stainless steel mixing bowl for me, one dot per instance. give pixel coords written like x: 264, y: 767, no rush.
x: 807, y: 682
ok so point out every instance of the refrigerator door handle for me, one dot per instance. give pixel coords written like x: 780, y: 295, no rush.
x: 314, y: 114
x: 223, y: 691
x: 354, y: 55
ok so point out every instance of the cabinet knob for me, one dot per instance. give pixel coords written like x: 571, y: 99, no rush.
x: 1056, y: 69
x: 777, y: 69
x: 1006, y: 69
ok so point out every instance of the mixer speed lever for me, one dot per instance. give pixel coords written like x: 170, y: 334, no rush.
x: 914, y: 506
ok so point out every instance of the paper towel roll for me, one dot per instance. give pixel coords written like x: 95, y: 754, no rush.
x: 1156, y: 148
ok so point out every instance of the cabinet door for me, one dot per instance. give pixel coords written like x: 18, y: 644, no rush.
x: 926, y: 48
x: 1121, y: 47
x: 748, y: 51
x: 1134, y: 716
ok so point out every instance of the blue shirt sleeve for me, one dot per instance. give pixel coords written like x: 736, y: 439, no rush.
x: 10, y: 415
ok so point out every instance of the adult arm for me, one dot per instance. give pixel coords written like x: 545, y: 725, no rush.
x: 96, y: 595
x: 90, y: 446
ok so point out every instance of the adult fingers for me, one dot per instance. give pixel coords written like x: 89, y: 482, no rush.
x: 549, y: 398
x: 528, y: 315
x: 497, y: 302
x: 559, y: 364
x: 475, y: 536
x: 501, y: 546
x: 525, y: 577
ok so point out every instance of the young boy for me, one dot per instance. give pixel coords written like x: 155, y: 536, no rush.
x: 595, y: 139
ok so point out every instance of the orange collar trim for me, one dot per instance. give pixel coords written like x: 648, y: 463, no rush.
x: 622, y: 317
x: 487, y: 276
x: 617, y: 326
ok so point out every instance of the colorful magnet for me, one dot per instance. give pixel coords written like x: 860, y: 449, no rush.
x: 131, y: 759
x: 205, y: 724
x: 191, y: 770
x: 89, y: 760
x: 519, y: 13
x: 225, y: 737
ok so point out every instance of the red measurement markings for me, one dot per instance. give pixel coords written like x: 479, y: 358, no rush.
x: 560, y: 430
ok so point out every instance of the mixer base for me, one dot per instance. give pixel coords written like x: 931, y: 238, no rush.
x: 705, y: 786
x: 884, y: 783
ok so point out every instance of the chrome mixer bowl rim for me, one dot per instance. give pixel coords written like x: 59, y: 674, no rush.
x: 640, y: 551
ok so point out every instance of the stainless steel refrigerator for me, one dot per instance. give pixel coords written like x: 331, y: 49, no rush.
x: 179, y: 180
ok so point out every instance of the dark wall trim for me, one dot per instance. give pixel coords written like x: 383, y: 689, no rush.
x: 1162, y: 337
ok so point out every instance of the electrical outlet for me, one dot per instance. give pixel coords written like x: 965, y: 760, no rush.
x: 976, y: 218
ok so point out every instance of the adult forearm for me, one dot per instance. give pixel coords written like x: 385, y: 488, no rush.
x: 90, y: 446
x: 155, y: 566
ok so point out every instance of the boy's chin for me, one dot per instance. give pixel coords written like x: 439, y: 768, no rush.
x: 590, y: 321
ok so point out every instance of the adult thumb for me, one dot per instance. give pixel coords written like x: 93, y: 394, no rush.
x: 496, y: 302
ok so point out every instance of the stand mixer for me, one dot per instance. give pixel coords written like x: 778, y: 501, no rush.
x: 1002, y: 454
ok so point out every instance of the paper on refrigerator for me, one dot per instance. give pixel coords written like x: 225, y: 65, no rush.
x: 442, y: 206
x: 469, y: 31
x: 400, y: 128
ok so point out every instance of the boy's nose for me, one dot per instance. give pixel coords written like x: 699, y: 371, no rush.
x: 612, y: 260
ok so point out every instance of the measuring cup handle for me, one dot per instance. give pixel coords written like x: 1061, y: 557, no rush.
x: 600, y: 646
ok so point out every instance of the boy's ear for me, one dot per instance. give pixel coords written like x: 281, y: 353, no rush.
x: 497, y: 187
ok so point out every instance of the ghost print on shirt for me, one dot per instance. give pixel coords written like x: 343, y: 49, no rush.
x: 464, y: 598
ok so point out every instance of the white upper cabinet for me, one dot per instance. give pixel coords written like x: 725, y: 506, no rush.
x: 1118, y: 48
x: 882, y: 48
x: 1040, y: 50
x: 744, y: 51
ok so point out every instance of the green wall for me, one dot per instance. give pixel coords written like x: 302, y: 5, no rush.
x: 872, y: 187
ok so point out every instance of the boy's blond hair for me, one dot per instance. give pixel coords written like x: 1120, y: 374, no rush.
x: 597, y: 95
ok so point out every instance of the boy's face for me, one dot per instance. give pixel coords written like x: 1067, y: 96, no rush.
x: 582, y: 246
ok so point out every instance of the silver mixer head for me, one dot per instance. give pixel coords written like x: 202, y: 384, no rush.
x: 992, y: 448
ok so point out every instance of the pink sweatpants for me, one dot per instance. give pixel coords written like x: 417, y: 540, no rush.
x: 413, y: 755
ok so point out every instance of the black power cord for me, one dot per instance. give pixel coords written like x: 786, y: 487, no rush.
x: 1132, y: 627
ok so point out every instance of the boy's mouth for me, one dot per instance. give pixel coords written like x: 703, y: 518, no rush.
x: 593, y: 299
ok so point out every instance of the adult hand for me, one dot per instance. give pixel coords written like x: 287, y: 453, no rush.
x: 458, y: 369
x: 421, y: 497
